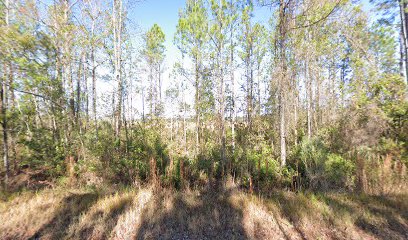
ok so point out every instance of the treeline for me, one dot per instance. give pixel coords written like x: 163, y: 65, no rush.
x: 315, y: 97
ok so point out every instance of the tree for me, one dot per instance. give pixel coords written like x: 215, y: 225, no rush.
x: 391, y: 10
x: 94, y: 30
x: 153, y: 53
x: 117, y: 28
x: 4, y: 96
x: 253, y: 51
x: 191, y: 39
x: 285, y: 11
x: 218, y: 36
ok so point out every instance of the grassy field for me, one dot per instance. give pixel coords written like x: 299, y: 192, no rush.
x: 214, y: 213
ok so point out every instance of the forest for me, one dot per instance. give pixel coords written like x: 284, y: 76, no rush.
x: 253, y: 119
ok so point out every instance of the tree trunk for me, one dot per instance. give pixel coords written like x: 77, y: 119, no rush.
x: 143, y: 105
x: 184, y: 124
x: 401, y: 49
x: 86, y: 93
x: 259, y: 91
x: 309, y: 99
x: 151, y: 91
x: 281, y: 61
x: 233, y: 97
x: 222, y: 118
x: 282, y: 128
x: 78, y: 91
x: 249, y: 79
x: 117, y: 33
x: 3, y: 107
x: 94, y: 97
x: 404, y: 23
x: 296, y: 115
x: 197, y: 105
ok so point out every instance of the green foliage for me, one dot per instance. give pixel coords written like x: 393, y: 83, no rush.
x: 339, y: 172
x: 325, y: 170
x: 43, y: 151
x: 154, y: 40
x: 383, y: 45
x: 192, y: 29
x: 313, y: 154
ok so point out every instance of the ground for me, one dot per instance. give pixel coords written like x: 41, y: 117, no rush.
x: 211, y: 213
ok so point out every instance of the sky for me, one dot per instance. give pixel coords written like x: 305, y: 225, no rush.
x: 145, y: 13
x: 142, y: 14
x: 163, y: 12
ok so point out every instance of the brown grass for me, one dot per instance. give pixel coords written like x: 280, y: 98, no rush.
x: 223, y: 213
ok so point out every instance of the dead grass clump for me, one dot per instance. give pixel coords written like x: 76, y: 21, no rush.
x: 130, y: 221
x: 44, y: 214
x: 99, y: 221
x: 20, y: 217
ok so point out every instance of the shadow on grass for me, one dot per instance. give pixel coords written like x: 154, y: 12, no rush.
x: 382, y: 218
x: 397, y: 202
x: 70, y: 208
x: 383, y: 223
x: 104, y: 222
x: 209, y: 216
x: 293, y: 207
x: 392, y: 224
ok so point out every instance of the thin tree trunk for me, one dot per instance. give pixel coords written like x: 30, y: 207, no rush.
x: 197, y: 105
x: 282, y: 128
x: 401, y: 49
x: 221, y: 112
x: 117, y: 33
x: 12, y: 107
x: 281, y: 40
x: 249, y: 88
x: 160, y: 90
x: 78, y: 91
x: 317, y: 119
x: 94, y: 97
x: 86, y: 93
x: 3, y: 107
x: 233, y: 96
x: 309, y: 99
x: 259, y: 90
x: 143, y: 105
x: 151, y: 92
x: 404, y: 23
x: 184, y: 124
x: 296, y: 115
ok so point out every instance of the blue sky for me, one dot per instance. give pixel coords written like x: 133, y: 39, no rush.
x: 162, y: 12
x: 145, y: 13
x: 165, y: 13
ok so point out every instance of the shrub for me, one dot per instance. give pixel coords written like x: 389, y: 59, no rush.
x: 313, y: 154
x: 339, y: 172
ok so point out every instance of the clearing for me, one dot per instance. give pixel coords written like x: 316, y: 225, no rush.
x: 213, y: 213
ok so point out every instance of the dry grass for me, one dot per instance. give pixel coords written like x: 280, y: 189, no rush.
x: 225, y: 213
x: 46, y: 212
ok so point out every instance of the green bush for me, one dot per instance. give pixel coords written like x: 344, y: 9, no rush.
x: 324, y: 170
x: 313, y: 154
x: 339, y: 172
